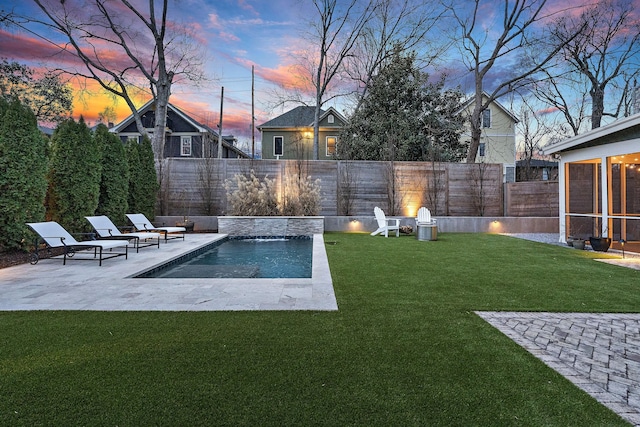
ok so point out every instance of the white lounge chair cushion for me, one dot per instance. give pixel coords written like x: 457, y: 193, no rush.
x: 56, y: 236
x: 106, y: 228
x: 141, y: 223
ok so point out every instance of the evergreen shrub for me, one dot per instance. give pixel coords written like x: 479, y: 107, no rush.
x: 114, y: 184
x: 23, y: 169
x: 74, y: 175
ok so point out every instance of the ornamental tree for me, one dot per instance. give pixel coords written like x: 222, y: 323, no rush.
x: 404, y: 117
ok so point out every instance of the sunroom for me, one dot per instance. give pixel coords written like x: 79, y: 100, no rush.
x: 599, y: 184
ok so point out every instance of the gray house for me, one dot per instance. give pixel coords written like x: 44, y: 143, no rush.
x: 290, y: 135
x: 185, y: 136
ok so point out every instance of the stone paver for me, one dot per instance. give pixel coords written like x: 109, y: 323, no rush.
x: 598, y: 352
x: 83, y: 285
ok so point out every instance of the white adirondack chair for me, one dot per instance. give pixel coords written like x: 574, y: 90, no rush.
x: 385, y: 224
x: 424, y: 217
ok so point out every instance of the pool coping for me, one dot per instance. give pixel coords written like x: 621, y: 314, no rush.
x: 85, y: 286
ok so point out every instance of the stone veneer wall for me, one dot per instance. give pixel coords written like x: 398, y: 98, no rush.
x: 271, y: 225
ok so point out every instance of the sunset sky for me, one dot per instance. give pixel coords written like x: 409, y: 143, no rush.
x: 234, y: 35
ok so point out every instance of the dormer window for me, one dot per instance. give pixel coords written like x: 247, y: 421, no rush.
x: 185, y: 146
x: 330, y: 118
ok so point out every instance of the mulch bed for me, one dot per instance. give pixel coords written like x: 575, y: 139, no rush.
x: 11, y: 258
x: 8, y: 259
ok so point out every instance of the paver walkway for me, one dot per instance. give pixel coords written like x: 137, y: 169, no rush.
x: 598, y: 352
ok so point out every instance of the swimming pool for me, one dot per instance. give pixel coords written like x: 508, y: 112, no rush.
x: 242, y: 258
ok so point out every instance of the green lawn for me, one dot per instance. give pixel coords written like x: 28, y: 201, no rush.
x: 404, y: 349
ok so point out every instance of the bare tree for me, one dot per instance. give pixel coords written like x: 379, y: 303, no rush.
x: 434, y: 189
x: 397, y: 27
x: 50, y: 97
x: 512, y: 39
x: 347, y: 188
x: 149, y: 51
x: 601, y: 44
x: 534, y: 131
x: 334, y: 32
x: 210, y: 179
x: 480, y: 185
x: 566, y: 95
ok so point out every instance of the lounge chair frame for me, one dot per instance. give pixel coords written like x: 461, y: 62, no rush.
x: 57, y: 237
x: 106, y: 230
x: 142, y: 223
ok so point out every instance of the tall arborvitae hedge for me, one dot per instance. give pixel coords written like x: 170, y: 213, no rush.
x: 23, y: 169
x: 74, y: 175
x: 143, y: 180
x: 114, y: 185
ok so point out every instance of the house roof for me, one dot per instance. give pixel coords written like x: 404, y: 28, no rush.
x: 46, y: 130
x: 627, y: 127
x: 146, y: 107
x: 302, y: 116
x: 197, y: 125
x: 298, y: 117
x: 470, y: 101
x: 538, y: 163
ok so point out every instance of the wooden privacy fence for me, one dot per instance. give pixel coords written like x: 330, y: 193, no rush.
x: 531, y: 198
x: 196, y: 186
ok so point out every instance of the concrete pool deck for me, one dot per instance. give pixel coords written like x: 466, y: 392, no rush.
x: 83, y: 285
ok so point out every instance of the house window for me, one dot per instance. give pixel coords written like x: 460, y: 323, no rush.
x: 510, y: 174
x: 481, y: 149
x: 278, y: 145
x: 330, y: 119
x: 185, y: 146
x: 545, y: 174
x: 331, y: 145
x: 486, y: 118
x: 134, y: 139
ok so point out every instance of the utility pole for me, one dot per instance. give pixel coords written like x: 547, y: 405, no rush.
x: 253, y: 117
x: 220, y: 125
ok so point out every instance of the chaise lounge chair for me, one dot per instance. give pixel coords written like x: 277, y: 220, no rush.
x: 55, y: 236
x: 141, y: 223
x: 107, y: 230
x: 385, y: 224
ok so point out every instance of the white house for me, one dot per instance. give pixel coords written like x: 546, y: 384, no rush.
x: 599, y: 181
x: 498, y: 138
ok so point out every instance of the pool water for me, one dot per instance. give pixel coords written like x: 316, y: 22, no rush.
x: 245, y: 258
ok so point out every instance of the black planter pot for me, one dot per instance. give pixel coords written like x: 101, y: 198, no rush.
x: 188, y: 225
x: 600, y: 244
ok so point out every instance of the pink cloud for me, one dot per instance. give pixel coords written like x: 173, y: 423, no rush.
x: 286, y: 76
x: 236, y: 120
x: 228, y: 37
x: 23, y: 48
x: 246, y: 6
x: 215, y: 22
x: 549, y: 110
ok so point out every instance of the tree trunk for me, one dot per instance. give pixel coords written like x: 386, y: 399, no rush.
x: 476, y: 131
x: 597, y: 106
x: 316, y: 132
x: 475, y: 119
